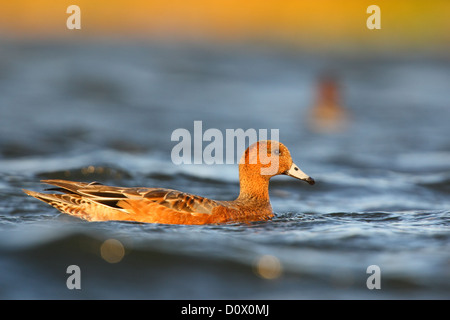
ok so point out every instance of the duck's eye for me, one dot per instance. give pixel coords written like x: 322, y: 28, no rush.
x: 277, y: 152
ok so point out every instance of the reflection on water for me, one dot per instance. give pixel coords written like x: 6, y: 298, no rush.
x: 268, y: 267
x: 102, y: 112
x: 112, y: 250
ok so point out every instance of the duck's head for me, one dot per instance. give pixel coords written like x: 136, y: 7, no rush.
x: 271, y: 158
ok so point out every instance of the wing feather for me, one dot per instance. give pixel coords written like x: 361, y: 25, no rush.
x: 114, y: 196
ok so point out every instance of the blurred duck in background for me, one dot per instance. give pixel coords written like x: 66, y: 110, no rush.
x: 327, y: 115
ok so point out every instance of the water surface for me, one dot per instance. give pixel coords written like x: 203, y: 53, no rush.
x: 105, y: 112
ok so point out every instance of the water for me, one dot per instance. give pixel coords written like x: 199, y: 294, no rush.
x: 105, y: 112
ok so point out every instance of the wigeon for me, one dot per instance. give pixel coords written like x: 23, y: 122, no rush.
x: 327, y: 114
x: 96, y: 202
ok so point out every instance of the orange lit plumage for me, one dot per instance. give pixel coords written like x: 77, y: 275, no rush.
x: 97, y: 202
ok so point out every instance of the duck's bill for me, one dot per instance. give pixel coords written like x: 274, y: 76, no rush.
x: 295, y: 172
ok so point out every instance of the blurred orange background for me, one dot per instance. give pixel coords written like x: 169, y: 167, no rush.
x: 320, y: 24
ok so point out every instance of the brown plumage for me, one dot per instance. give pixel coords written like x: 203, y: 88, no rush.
x: 97, y: 202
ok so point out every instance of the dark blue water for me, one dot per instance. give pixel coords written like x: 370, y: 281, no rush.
x: 105, y: 112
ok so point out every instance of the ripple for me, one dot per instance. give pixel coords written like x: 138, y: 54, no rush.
x: 381, y: 195
x: 87, y: 173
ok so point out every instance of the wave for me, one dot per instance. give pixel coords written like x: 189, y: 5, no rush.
x: 294, y: 256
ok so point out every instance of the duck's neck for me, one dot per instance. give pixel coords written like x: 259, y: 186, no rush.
x: 253, y: 186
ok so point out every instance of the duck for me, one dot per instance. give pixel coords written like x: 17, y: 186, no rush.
x: 97, y: 202
x: 328, y: 115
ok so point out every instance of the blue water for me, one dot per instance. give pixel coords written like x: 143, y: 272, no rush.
x: 105, y: 112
